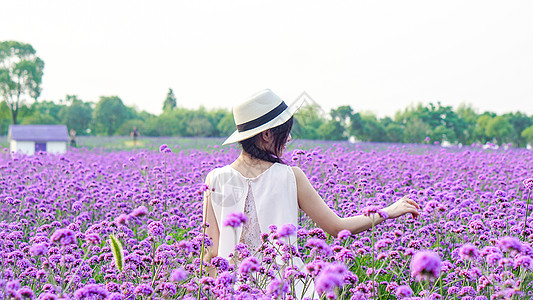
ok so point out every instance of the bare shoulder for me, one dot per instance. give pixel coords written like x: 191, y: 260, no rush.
x: 299, y: 175
x: 297, y: 172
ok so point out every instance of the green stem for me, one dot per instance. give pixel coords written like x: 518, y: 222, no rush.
x: 527, y: 210
x: 201, y: 260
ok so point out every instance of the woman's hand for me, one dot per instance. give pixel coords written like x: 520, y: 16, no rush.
x: 402, y: 207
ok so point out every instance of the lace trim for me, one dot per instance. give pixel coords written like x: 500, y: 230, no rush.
x: 251, y: 232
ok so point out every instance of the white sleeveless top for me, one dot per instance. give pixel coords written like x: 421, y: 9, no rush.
x: 270, y: 198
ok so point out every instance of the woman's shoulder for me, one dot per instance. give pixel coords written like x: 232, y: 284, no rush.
x: 299, y: 175
x: 219, y: 170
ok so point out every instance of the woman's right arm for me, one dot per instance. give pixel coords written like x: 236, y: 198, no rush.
x: 314, y: 206
x: 212, y: 231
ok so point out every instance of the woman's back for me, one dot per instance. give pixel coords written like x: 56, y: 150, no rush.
x: 273, y: 193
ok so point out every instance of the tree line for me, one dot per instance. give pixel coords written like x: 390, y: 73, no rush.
x: 21, y: 72
x: 416, y: 124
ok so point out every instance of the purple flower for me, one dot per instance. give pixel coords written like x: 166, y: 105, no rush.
x: 47, y: 296
x: 494, y: 258
x: 331, y: 277
x: 383, y: 214
x: 249, y: 264
x: 156, y: 228
x: 510, y: 244
x: 39, y: 249
x: 235, y: 219
x: 139, y: 211
x: 225, y: 279
x: 425, y: 265
x: 220, y: 263
x: 319, y: 245
x: 277, y: 288
x: 163, y: 147
x: 404, y: 291
x: 26, y: 292
x: 91, y: 291
x: 178, y: 275
x: 344, y: 234
x: 93, y: 239
x: 115, y: 296
x: 468, y: 251
x: 286, y: 230
x: 143, y: 289
x: 13, y: 285
x: 63, y: 236
x: 523, y: 261
x: 370, y: 210
x: 528, y: 183
x: 121, y: 219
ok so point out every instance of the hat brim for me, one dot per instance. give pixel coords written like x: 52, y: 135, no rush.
x: 280, y: 119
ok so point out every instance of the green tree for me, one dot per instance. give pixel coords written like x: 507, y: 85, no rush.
x: 469, y: 117
x: 480, y: 131
x: 76, y: 114
x: 519, y: 122
x: 331, y: 130
x: 416, y: 131
x: 499, y: 129
x: 395, y: 132
x: 5, y: 118
x: 215, y: 116
x: 373, y: 130
x: 307, y: 121
x: 527, y: 135
x: 21, y: 73
x: 170, y: 101
x: 226, y: 125
x: 356, y: 125
x: 109, y: 114
x: 342, y: 114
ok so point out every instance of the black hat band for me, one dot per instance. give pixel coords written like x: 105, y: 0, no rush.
x: 262, y: 119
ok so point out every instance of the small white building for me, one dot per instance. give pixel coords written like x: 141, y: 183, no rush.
x: 29, y: 139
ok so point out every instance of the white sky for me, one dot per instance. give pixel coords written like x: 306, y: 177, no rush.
x: 377, y: 56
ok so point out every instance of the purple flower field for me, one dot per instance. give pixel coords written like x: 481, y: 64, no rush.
x: 92, y: 224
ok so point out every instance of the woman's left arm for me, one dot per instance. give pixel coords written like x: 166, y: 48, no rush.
x: 314, y: 206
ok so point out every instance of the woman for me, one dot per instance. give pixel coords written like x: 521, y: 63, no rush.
x: 268, y: 191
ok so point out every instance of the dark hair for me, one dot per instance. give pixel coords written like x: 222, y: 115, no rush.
x: 280, y: 133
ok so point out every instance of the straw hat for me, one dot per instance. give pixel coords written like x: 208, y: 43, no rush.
x: 261, y: 111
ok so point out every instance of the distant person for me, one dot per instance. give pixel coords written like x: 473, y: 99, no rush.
x: 72, y: 137
x: 134, y: 134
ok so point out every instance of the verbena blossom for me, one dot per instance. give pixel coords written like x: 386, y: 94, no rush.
x: 249, y: 264
x: 343, y: 234
x: 425, y: 265
x: 468, y: 251
x: 510, y: 244
x: 139, y: 211
x: 277, y: 288
x: 178, y: 275
x: 528, y: 183
x: 39, y: 249
x: 404, y: 291
x: 143, y: 290
x: 331, y: 277
x: 164, y: 148
x: 156, y: 228
x: 286, y: 230
x: 91, y: 292
x: 235, y: 219
x: 63, y: 236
